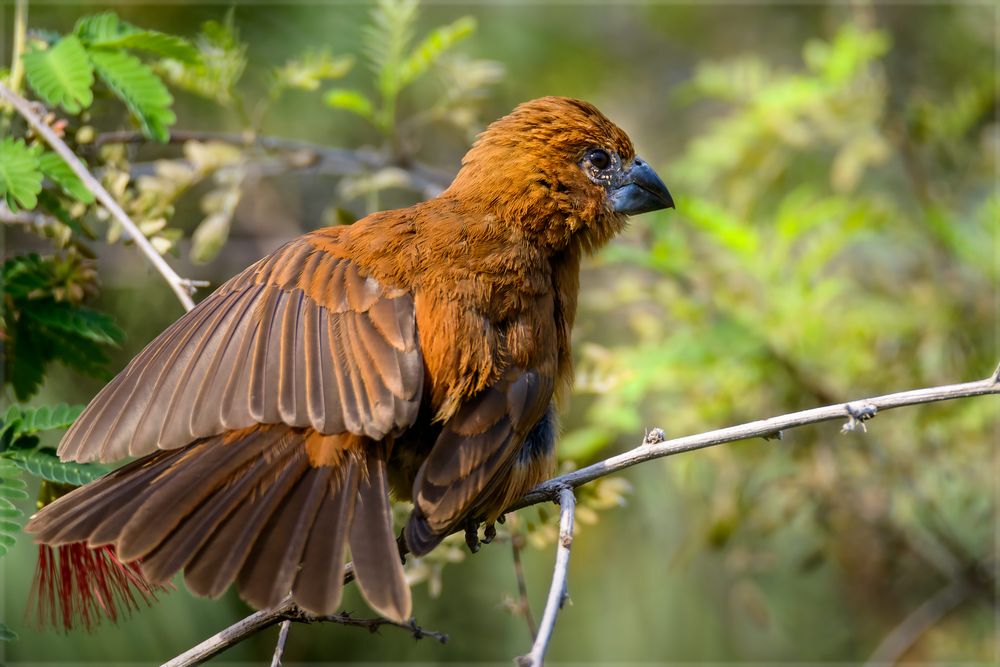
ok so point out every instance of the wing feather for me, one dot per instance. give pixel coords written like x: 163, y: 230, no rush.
x: 472, y: 453
x: 304, y: 337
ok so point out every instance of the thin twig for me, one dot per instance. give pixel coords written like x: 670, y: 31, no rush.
x: 557, y: 591
x: 181, y: 287
x: 523, y: 605
x: 279, y: 648
x: 895, y: 645
x: 653, y: 447
x: 32, y: 218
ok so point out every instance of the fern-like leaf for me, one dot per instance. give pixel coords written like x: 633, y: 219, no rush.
x: 222, y: 60
x: 78, y: 320
x: 139, y: 88
x: 61, y: 75
x: 432, y: 47
x: 27, y: 420
x: 107, y: 31
x: 56, y: 168
x: 45, y: 464
x: 20, y: 177
x: 12, y: 488
x: 387, y: 39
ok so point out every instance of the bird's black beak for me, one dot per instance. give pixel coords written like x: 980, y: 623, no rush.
x: 639, y: 191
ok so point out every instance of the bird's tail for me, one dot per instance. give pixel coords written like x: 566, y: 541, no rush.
x: 271, y: 507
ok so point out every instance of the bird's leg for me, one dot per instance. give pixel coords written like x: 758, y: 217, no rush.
x: 489, y: 533
x: 472, y: 535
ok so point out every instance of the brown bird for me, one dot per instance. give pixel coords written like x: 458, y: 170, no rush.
x: 418, y: 352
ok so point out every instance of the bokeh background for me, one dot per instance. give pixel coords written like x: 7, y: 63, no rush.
x: 834, y: 167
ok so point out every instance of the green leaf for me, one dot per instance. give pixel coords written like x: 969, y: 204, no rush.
x: 6, y: 634
x: 56, y: 168
x: 61, y: 75
x: 27, y: 420
x: 20, y: 178
x: 351, y: 100
x: 106, y: 30
x: 45, y: 464
x: 433, y: 46
x: 222, y: 60
x: 82, y: 321
x: 50, y: 202
x: 99, y: 27
x: 139, y: 88
x: 386, y: 41
x: 308, y: 71
x: 159, y: 43
x: 11, y: 488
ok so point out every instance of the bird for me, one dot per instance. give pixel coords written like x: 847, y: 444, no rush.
x: 417, y: 354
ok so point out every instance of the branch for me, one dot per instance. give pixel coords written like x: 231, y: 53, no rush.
x: 286, y: 611
x: 279, y: 648
x: 425, y: 180
x: 557, y: 591
x: 523, y: 606
x: 182, y: 288
x: 892, y: 648
x: 856, y: 413
x: 653, y: 447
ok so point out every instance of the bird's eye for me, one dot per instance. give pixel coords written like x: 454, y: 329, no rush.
x: 599, y: 158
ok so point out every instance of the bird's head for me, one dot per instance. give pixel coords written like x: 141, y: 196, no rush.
x: 558, y: 170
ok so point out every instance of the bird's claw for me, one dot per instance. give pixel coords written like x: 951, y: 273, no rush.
x: 489, y: 533
x: 472, y: 536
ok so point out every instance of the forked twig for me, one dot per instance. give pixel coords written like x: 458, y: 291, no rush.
x: 557, y: 590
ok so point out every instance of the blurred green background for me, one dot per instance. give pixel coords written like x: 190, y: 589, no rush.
x: 835, y: 237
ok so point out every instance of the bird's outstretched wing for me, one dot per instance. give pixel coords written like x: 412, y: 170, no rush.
x: 303, y: 337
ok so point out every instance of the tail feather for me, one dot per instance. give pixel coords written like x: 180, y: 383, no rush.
x: 219, y: 561
x: 184, y: 487
x: 273, y: 562
x: 75, y: 516
x: 176, y: 552
x: 320, y: 582
x: 377, y: 564
x: 262, y: 507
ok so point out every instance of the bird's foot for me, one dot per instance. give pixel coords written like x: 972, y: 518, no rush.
x: 489, y: 533
x: 472, y: 535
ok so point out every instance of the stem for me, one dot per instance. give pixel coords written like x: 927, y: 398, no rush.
x: 20, y: 32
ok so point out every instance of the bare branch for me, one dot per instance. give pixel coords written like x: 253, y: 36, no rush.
x: 427, y: 181
x: 557, y: 591
x: 181, y: 287
x: 654, y: 446
x: 30, y: 218
x: 895, y: 645
x: 285, y: 612
x: 523, y: 605
x: 279, y: 648
x: 856, y: 412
